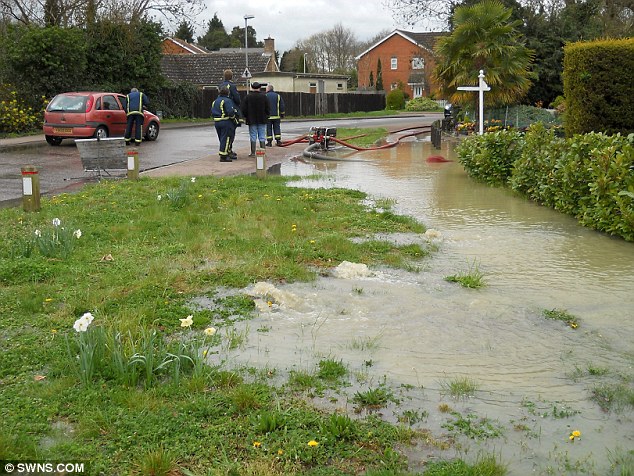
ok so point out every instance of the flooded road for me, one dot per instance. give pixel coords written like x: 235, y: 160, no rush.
x: 416, y: 333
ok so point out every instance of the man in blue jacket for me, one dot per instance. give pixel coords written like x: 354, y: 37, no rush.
x: 225, y: 115
x: 136, y: 101
x: 276, y: 111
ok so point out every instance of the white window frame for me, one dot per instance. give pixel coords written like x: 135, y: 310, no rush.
x: 394, y: 63
x: 418, y: 63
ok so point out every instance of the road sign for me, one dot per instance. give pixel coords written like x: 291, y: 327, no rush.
x: 246, y: 74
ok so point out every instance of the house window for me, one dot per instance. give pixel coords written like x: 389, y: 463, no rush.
x: 418, y: 91
x: 394, y: 62
x: 418, y: 63
x: 340, y: 86
x: 393, y: 86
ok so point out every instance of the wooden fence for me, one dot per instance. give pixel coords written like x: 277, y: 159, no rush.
x: 304, y: 104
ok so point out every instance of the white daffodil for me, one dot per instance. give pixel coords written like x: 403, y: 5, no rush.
x: 38, y: 233
x: 81, y: 324
x: 210, y: 331
x: 56, y: 222
x: 77, y: 233
x: 89, y: 317
x: 193, y: 179
x: 159, y: 197
x: 187, y: 322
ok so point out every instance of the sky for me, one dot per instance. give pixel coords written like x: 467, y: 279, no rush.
x: 287, y: 21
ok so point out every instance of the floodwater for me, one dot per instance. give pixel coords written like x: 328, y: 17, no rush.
x: 415, y: 333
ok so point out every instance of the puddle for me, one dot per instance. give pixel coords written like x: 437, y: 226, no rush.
x: 417, y: 330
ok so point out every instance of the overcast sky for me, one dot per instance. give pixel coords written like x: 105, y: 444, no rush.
x: 288, y: 21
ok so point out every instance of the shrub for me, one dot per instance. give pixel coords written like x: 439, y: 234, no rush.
x: 490, y: 157
x: 395, y: 100
x: 599, y: 86
x: 16, y: 115
x: 533, y: 173
x: 422, y: 104
x: 590, y: 177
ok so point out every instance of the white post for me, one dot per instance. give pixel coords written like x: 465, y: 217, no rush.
x: 481, y: 85
x: 481, y: 88
x: 305, y: 62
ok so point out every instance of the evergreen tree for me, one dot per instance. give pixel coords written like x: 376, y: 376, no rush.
x: 216, y: 36
x: 185, y: 32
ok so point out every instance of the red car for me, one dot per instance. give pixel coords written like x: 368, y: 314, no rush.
x: 91, y: 114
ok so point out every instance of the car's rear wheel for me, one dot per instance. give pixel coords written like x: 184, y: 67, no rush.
x: 152, y: 131
x: 101, y: 132
x: 53, y: 140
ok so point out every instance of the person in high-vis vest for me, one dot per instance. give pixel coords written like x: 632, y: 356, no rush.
x: 276, y: 111
x: 136, y: 101
x: 225, y: 115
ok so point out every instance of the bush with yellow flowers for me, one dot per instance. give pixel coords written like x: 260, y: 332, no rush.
x: 16, y: 116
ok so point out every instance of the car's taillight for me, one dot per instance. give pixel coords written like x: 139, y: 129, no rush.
x: 89, y: 103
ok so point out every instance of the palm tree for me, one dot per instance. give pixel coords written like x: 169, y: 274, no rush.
x: 484, y: 38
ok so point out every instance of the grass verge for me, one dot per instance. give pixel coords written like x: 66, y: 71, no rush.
x: 138, y: 384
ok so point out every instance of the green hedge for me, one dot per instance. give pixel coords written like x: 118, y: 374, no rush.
x: 590, y: 177
x: 599, y: 86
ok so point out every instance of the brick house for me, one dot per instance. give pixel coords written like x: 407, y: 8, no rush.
x: 407, y: 59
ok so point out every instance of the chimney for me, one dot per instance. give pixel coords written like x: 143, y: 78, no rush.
x: 269, y: 45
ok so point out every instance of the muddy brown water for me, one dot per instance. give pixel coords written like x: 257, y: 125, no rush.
x: 414, y: 332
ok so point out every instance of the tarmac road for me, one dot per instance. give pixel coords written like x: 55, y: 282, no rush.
x: 181, y: 149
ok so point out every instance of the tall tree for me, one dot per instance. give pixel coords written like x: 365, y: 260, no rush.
x: 379, y: 75
x: 185, y: 32
x: 484, y: 38
x: 237, y: 37
x: 216, y: 36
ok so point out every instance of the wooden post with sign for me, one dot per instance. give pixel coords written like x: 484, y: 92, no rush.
x: 30, y: 189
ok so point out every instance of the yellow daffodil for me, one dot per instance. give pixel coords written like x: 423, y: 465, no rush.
x: 257, y: 444
x: 574, y: 434
x: 313, y: 443
x: 210, y: 331
x: 280, y: 452
x: 48, y: 299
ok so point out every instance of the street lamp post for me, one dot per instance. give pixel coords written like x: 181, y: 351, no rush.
x: 305, y: 62
x: 247, y: 17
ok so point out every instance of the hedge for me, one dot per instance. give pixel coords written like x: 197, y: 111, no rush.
x: 599, y: 86
x: 589, y: 176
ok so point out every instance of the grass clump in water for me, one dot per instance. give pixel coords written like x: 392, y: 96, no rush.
x: 472, y: 278
x: 563, y: 316
x: 459, y: 387
x: 486, y: 465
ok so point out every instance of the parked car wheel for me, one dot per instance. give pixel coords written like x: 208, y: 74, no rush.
x: 152, y: 131
x: 53, y: 140
x: 101, y: 132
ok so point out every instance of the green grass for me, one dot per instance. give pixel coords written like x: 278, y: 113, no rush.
x: 485, y: 465
x: 563, y: 316
x: 472, y: 278
x: 459, y: 387
x: 138, y: 391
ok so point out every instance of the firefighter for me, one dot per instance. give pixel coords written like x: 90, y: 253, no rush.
x: 224, y: 112
x: 276, y: 110
x: 135, y: 103
x: 235, y: 97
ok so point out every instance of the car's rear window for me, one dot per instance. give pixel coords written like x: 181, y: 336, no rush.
x: 68, y: 104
